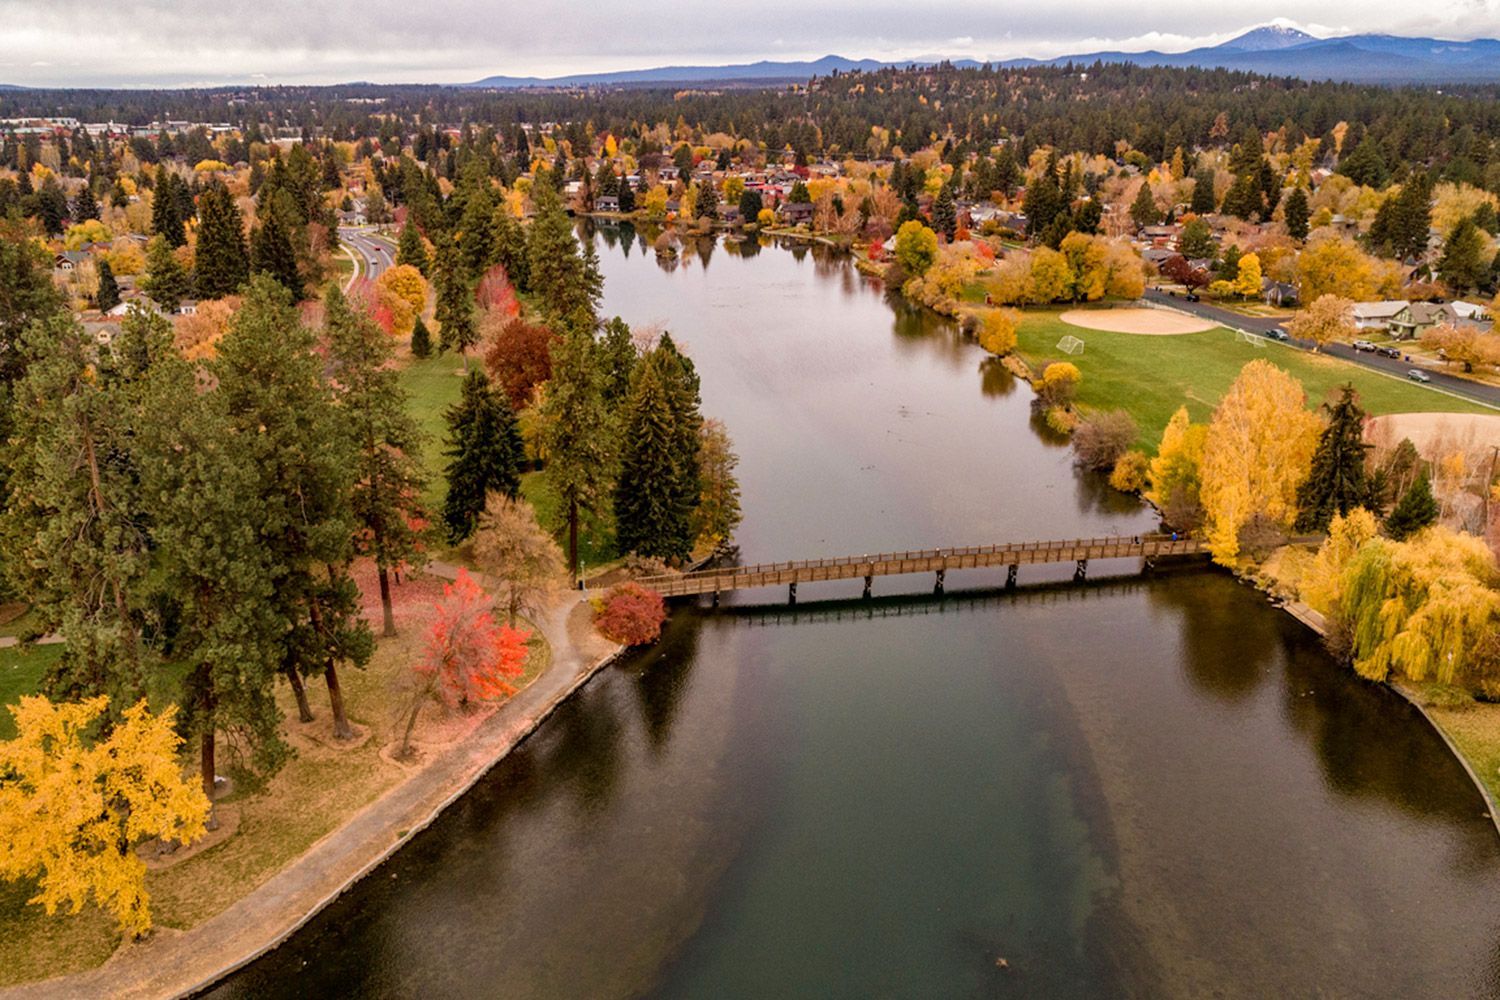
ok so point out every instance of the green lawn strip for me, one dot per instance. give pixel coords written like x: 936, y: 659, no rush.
x: 1475, y: 730
x: 1150, y: 377
x: 433, y: 384
x: 21, y: 670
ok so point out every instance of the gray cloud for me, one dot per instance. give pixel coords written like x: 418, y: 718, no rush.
x: 105, y: 42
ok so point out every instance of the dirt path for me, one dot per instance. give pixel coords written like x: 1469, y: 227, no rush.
x: 177, y: 963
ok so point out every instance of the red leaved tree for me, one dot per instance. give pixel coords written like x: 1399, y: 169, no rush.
x: 468, y: 656
x: 630, y: 614
x: 518, y: 356
x: 495, y: 293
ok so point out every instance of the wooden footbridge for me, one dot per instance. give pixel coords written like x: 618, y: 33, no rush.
x: 1078, y: 551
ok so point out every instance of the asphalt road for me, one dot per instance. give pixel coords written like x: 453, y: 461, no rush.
x: 1396, y: 366
x: 375, y: 255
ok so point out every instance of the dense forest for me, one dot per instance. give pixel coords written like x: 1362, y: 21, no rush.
x: 1085, y: 108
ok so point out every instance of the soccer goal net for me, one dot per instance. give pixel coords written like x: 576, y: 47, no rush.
x: 1253, y: 339
x: 1070, y: 345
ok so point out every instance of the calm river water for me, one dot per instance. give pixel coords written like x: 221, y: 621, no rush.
x: 1137, y: 787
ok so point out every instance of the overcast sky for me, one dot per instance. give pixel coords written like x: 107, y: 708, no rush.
x: 205, y: 42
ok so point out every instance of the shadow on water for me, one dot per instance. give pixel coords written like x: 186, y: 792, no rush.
x: 661, y: 678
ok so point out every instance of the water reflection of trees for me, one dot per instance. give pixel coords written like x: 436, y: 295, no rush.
x: 662, y: 676
x: 585, y: 750
x: 1093, y: 493
x: 995, y: 379
x: 1227, y: 645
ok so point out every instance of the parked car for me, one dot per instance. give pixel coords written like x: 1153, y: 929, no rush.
x: 1364, y: 345
x: 1191, y: 297
x: 1389, y: 352
x: 1278, y: 334
x: 1418, y: 375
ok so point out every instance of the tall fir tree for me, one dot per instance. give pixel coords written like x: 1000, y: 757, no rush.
x: 167, y: 219
x: 945, y: 212
x: 1297, y: 214
x: 1416, y: 510
x: 108, y: 294
x: 1203, y: 201
x: 658, y: 485
x: 85, y: 205
x: 484, y: 454
x: 421, y: 339
x: 166, y: 281
x: 578, y: 433
x: 1337, y: 482
x: 411, y: 250
x: 272, y: 254
x: 457, y: 329
x: 558, y: 272
x: 221, y: 261
x: 272, y: 380
x: 1143, y: 211
x: 388, y: 481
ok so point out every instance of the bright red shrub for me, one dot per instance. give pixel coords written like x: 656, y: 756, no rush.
x: 631, y: 615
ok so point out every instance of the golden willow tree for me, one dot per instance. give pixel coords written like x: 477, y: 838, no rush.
x: 1259, y: 446
x: 1425, y: 609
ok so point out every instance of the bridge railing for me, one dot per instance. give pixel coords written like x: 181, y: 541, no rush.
x: 1066, y: 550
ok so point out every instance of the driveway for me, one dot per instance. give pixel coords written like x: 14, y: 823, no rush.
x: 1476, y: 391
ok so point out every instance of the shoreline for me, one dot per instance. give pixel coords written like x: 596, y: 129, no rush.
x: 185, y: 963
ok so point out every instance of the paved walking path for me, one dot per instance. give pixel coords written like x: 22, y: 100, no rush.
x: 178, y: 963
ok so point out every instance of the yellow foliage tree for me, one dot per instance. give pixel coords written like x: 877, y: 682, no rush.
x: 406, y: 283
x: 1247, y: 282
x: 1422, y: 607
x: 1258, y: 450
x: 1125, y: 272
x: 1322, y: 585
x: 1335, y: 266
x: 1050, y: 277
x: 1173, y: 481
x: 997, y: 330
x: 1087, y: 266
x: 1330, y: 317
x: 1059, y: 383
x: 73, y: 810
x: 92, y: 231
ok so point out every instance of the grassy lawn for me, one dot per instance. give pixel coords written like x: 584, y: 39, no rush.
x: 21, y: 671
x: 312, y: 795
x: 433, y: 385
x: 1151, y: 376
x: 15, y: 619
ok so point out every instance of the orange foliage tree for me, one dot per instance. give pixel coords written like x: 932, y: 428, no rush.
x: 630, y: 614
x: 468, y: 657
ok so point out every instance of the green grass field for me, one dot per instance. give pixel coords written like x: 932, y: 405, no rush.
x: 1150, y: 377
x: 21, y: 673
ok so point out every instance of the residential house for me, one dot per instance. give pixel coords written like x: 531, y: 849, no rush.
x: 607, y: 203
x: 1392, y: 316
x: 796, y: 213
x: 1278, y: 293
x: 68, y: 260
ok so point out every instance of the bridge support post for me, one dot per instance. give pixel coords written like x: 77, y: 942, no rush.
x: 791, y: 592
x: 938, y: 587
x: 1082, y: 572
x: 1010, y: 575
x: 868, y: 581
x: 1150, y: 565
x: 716, y: 598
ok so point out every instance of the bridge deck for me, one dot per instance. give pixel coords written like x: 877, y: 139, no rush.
x: 713, y: 581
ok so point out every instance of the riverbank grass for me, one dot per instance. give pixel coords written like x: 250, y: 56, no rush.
x: 317, y: 791
x: 1150, y: 377
x: 1474, y: 727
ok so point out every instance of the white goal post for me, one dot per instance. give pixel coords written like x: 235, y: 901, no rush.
x: 1070, y: 345
x: 1253, y: 339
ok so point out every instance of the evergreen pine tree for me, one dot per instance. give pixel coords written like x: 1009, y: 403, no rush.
x: 649, y: 519
x: 421, y: 340
x: 221, y: 262
x: 455, y: 301
x: 1202, y: 202
x: 85, y: 207
x: 166, y: 211
x: 617, y: 357
x: 1416, y: 510
x: 1143, y: 211
x: 166, y: 281
x: 1297, y: 214
x: 1337, y: 482
x: 1464, y: 264
x: 484, y: 452
x: 385, y: 437
x: 479, y: 242
x: 108, y: 295
x: 271, y: 253
x: 578, y: 436
x: 510, y: 248
x: 945, y: 212
x: 707, y: 205
x: 411, y: 250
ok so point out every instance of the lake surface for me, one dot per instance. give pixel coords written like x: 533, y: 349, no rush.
x: 1136, y: 787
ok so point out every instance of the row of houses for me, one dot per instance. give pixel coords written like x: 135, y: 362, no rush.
x: 1405, y: 320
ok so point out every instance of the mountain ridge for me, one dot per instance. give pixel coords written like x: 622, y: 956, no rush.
x: 1275, y: 49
